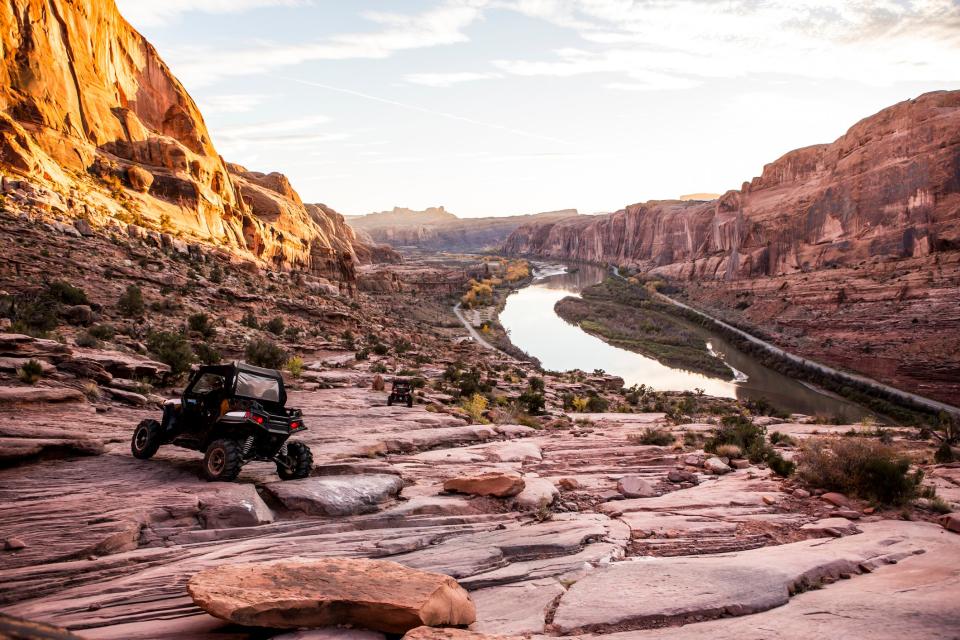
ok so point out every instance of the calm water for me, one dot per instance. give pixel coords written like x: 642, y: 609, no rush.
x: 535, y: 327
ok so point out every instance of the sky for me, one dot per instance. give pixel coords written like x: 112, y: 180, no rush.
x: 500, y: 107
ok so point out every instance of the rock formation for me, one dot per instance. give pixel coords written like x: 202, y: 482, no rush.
x: 438, y: 229
x: 874, y: 215
x: 90, y: 111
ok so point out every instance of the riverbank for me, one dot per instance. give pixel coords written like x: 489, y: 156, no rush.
x: 630, y: 318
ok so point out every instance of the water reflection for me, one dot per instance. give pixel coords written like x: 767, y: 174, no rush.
x: 534, y: 326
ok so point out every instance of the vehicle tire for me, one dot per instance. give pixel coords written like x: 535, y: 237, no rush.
x: 300, y: 461
x: 390, y: 401
x: 222, y: 461
x: 146, y: 439
x: 410, y: 401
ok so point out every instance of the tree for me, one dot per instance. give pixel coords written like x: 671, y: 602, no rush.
x: 131, y: 302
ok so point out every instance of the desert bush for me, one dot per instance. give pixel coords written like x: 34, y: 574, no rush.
x: 250, y: 320
x: 200, y: 323
x: 131, y: 302
x: 740, y: 431
x: 295, y: 366
x: 207, y: 354
x: 728, y: 451
x: 597, y: 404
x: 944, y: 453
x: 265, y: 353
x: 92, y: 391
x: 66, y: 293
x: 780, y: 465
x: 378, y: 367
x: 171, y: 349
x: 858, y: 466
x: 475, y: 405
x: 533, y: 401
x: 30, y: 372
x: 102, y: 331
x: 692, y: 439
x: 87, y: 340
x: 783, y: 439
x: 380, y: 349
x: 658, y: 437
x: 292, y: 332
x: 275, y: 325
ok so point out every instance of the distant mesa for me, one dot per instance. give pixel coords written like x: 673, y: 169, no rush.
x: 700, y: 196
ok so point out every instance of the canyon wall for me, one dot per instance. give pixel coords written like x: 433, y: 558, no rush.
x: 848, y: 253
x: 437, y: 229
x: 89, y: 111
x: 889, y: 187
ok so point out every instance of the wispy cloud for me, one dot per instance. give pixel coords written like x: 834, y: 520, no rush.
x: 443, y: 25
x: 433, y: 112
x: 231, y: 103
x: 449, y: 79
x: 299, y: 132
x: 149, y: 13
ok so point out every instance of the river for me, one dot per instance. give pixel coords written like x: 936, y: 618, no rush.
x: 533, y: 325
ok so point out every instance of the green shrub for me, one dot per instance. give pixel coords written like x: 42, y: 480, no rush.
x: 295, y: 366
x: 780, y: 465
x: 597, y: 404
x: 66, y: 293
x: 275, y: 325
x: 200, y: 323
x: 207, y: 354
x: 171, y: 349
x: 265, y: 353
x: 380, y: 349
x: 658, y: 437
x: 533, y: 401
x: 740, y: 431
x: 30, y: 372
x: 102, y: 331
x: 782, y: 439
x: 250, y: 320
x: 944, y: 453
x: 858, y: 466
x: 131, y: 302
x: 378, y: 367
x: 87, y: 341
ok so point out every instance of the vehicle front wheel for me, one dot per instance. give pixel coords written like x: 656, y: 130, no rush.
x: 146, y: 439
x: 298, y: 463
x: 222, y: 461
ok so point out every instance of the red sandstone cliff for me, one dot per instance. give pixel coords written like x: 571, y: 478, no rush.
x: 889, y: 187
x: 89, y: 110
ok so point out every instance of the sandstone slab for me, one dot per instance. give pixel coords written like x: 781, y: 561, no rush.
x: 234, y: 505
x: 537, y: 493
x: 336, y: 495
x: 635, y: 487
x: 371, y: 594
x: 495, y: 483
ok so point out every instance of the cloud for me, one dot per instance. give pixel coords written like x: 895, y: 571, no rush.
x: 442, y: 25
x: 151, y: 13
x: 449, y: 79
x: 231, y: 103
x: 876, y: 42
x: 288, y: 132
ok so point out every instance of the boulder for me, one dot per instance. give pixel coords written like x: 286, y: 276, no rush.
x: 377, y: 384
x: 678, y: 476
x: 139, y: 178
x: 836, y: 499
x: 79, y: 314
x: 537, y: 493
x: 20, y: 629
x: 716, y: 466
x: 635, y: 487
x: 234, y: 505
x: 336, y: 495
x: 371, y: 594
x: 494, y: 483
x: 951, y: 522
x: 433, y: 633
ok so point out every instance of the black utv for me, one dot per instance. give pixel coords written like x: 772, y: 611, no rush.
x: 234, y: 413
x: 400, y: 392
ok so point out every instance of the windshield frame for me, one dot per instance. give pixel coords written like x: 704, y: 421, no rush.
x: 273, y: 395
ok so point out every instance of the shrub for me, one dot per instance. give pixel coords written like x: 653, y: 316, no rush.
x: 475, y: 405
x: 265, y: 353
x: 34, y: 314
x: 363, y: 354
x: 378, y: 367
x: 597, y: 404
x: 250, y: 320
x: 295, y: 366
x: 200, y: 323
x: 537, y: 384
x: 171, y: 349
x: 783, y: 439
x: 86, y: 340
x: 533, y: 401
x: 780, y: 465
x: 729, y: 451
x: 66, y: 293
x: 380, y: 349
x: 944, y: 453
x: 102, y: 331
x: 207, y: 354
x: 658, y: 437
x: 216, y: 274
x: 131, y: 302
x: 858, y: 466
x: 275, y: 325
x: 740, y: 431
x: 292, y: 332
x: 30, y: 372
x: 402, y: 346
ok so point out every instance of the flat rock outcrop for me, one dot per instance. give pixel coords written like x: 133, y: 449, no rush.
x: 372, y: 594
x: 499, y: 485
x: 336, y: 495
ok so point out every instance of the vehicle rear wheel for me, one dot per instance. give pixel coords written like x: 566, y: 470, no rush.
x: 146, y: 439
x: 298, y: 463
x: 410, y: 401
x: 222, y: 461
x: 390, y: 401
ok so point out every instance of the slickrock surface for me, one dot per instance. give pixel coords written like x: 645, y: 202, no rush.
x: 499, y: 485
x: 372, y: 594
